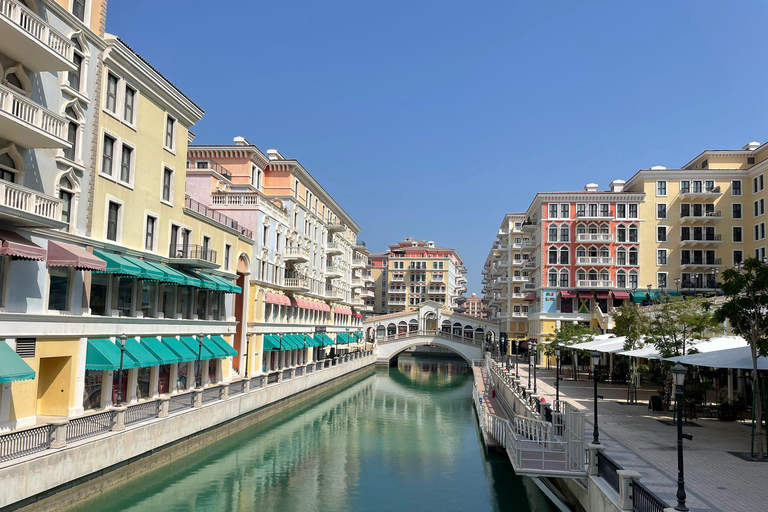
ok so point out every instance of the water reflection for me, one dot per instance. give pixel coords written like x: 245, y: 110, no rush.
x: 402, y: 438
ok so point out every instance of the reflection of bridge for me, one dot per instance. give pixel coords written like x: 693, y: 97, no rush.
x: 391, y: 346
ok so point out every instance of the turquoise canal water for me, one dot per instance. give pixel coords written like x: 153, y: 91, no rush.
x: 402, y: 438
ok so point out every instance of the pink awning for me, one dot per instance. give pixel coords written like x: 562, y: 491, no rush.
x: 273, y: 298
x: 293, y: 302
x: 567, y: 294
x: 68, y: 255
x: 585, y: 295
x: 358, y: 315
x: 603, y: 295
x: 340, y: 310
x: 325, y: 307
x: 18, y: 247
x: 621, y: 295
x: 530, y: 298
x: 286, y: 300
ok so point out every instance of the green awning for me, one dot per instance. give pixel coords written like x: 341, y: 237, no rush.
x: 225, y: 285
x: 169, y: 275
x: 655, y: 294
x: 324, y: 339
x: 176, y: 346
x: 673, y: 293
x: 342, y: 338
x: 136, y: 356
x: 102, y: 354
x: 12, y: 366
x: 162, y: 353
x: 117, y: 264
x: 319, y: 339
x: 147, y: 271
x: 217, y: 351
x: 292, y: 341
x: 271, y: 342
x: 192, y: 344
x: 191, y: 279
x: 311, y: 341
x: 226, y: 347
x: 300, y: 339
x: 207, y: 282
x: 637, y: 295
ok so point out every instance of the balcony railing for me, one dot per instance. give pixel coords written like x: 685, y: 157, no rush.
x: 31, y: 114
x: 333, y: 247
x: 332, y: 291
x: 27, y: 200
x: 297, y: 252
x: 594, y: 260
x: 594, y: 283
x: 709, y: 262
x: 216, y: 216
x: 705, y: 217
x: 701, y: 238
x: 594, y: 237
x: 296, y: 282
x: 334, y: 269
x: 248, y: 200
x: 596, y: 215
x: 192, y: 252
x: 18, y: 14
x: 359, y: 262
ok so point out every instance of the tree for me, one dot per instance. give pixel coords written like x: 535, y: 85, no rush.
x: 630, y: 322
x: 745, y: 309
x: 675, y: 324
x: 570, y: 334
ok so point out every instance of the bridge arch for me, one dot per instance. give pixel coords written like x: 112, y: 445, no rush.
x: 465, y: 349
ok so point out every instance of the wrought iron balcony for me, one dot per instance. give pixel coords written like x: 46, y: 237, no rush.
x: 193, y: 255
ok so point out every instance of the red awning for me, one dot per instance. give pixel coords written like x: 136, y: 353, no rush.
x: 343, y: 311
x: 273, y: 298
x: 530, y: 298
x: 585, y: 295
x: 603, y: 295
x: 285, y: 300
x: 18, y: 247
x: 68, y: 255
x: 358, y: 315
x: 621, y: 295
x: 567, y: 294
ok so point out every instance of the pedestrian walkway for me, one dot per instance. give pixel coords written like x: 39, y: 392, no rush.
x: 490, y: 406
x: 715, y: 480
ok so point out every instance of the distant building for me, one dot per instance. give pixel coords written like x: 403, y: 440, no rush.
x: 473, y: 306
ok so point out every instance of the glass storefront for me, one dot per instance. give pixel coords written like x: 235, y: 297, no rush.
x: 164, y: 379
x: 124, y: 389
x: 93, y: 389
x: 143, y: 387
x: 99, y: 291
x: 212, y: 364
x: 181, y: 376
x: 125, y: 295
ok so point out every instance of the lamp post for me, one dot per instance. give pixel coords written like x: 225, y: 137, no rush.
x: 595, y: 362
x: 650, y: 297
x: 530, y: 360
x: 247, y: 351
x: 558, y: 348
x: 695, y: 278
x: 280, y: 354
x: 517, y: 347
x: 678, y: 372
x: 677, y: 284
x: 199, y: 376
x: 714, y: 279
x: 533, y: 362
x: 123, y: 339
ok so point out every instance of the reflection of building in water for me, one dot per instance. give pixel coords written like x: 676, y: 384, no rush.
x: 422, y: 369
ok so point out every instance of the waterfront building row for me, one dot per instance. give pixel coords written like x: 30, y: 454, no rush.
x: 113, y: 226
x: 574, y: 256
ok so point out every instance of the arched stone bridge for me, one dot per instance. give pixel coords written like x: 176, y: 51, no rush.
x: 429, y: 324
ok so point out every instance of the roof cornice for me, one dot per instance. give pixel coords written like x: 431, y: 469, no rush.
x: 250, y: 152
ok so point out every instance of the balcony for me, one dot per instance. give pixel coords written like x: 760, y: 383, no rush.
x: 594, y: 260
x: 503, y: 264
x: 193, y: 255
x: 594, y: 283
x: 594, y: 216
x: 360, y: 246
x: 248, y: 201
x: 517, y: 263
x: 333, y: 272
x: 367, y: 294
x: 503, y: 232
x: 707, y: 217
x: 333, y: 292
x: 707, y: 263
x: 398, y: 278
x: 700, y: 240
x: 703, y: 194
x: 357, y: 302
x: 396, y: 291
x: 529, y: 245
x: 594, y: 237
x: 529, y: 264
x: 529, y: 286
x: 26, y: 38
x: 519, y: 314
x: 356, y: 282
x: 333, y: 228
x: 529, y: 226
x: 503, y: 248
x: 192, y: 206
x: 334, y: 248
x: 520, y: 279
x: 518, y: 295
x: 296, y: 283
x: 25, y: 208
x: 502, y: 281
x: 359, y: 262
x: 28, y: 124
x: 299, y: 254
x: 396, y: 302
x: 368, y: 279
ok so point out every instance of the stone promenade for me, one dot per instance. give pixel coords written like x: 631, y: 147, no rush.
x: 634, y: 437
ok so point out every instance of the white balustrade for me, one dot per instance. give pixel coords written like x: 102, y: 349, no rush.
x: 29, y: 112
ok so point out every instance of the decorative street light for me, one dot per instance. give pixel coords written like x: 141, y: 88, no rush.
x: 123, y: 339
x: 650, y: 297
x: 558, y: 349
x: 533, y: 362
x: 199, y: 359
x: 280, y: 354
x: 595, y: 363
x: 714, y: 279
x: 247, y: 351
x: 677, y: 284
x: 678, y: 372
x: 530, y: 361
x: 695, y: 277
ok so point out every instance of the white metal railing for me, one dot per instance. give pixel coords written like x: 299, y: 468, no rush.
x: 27, y: 200
x: 594, y: 260
x: 362, y: 262
x: 432, y: 333
x: 594, y: 237
x: 592, y: 283
x: 20, y: 15
x: 31, y: 113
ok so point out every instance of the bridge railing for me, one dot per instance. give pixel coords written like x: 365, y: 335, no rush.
x: 430, y: 333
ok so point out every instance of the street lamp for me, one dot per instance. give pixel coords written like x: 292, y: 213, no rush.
x: 650, y: 299
x: 714, y: 279
x: 595, y: 363
x: 280, y: 354
x: 533, y: 362
x: 247, y: 351
x: 558, y: 349
x: 199, y: 359
x: 517, y: 347
x: 123, y: 339
x: 530, y: 360
x: 678, y: 372
x: 677, y: 284
x: 695, y: 278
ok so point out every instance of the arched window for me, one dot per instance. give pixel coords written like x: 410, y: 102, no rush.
x: 605, y: 229
x: 479, y: 334
x: 593, y: 252
x: 565, y: 233
x: 553, y: 277
x: 457, y: 329
x: 633, y: 279
x: 66, y: 194
x: 16, y: 77
x: 381, y: 331
x: 9, y: 170
x: 402, y: 327
x: 446, y: 326
x: 76, y: 77
x: 553, y: 256
x: 621, y: 279
x: 581, y: 229
x: 74, y: 116
x: 468, y: 331
x: 621, y: 257
x: 605, y: 252
x: 592, y: 228
x: 593, y: 275
x: 621, y: 233
x: 581, y: 275
x: 564, y: 256
x: 413, y: 325
x: 581, y: 252
x: 633, y: 256
x: 633, y: 233
x: 604, y: 275
x: 391, y: 329
x: 564, y: 279
x: 552, y: 233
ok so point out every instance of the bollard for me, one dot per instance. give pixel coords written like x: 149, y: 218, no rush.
x: 592, y: 450
x: 165, y: 401
x: 59, y: 433
x: 625, y: 487
x: 198, y: 402
x: 119, y: 418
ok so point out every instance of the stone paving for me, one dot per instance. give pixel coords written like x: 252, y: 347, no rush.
x: 715, y: 480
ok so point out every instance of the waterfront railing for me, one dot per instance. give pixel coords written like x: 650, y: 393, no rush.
x: 645, y: 500
x: 58, y: 434
x: 607, y: 469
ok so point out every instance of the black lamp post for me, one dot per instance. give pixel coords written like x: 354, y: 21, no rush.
x: 714, y: 279
x: 199, y: 360
x: 595, y: 363
x: 558, y: 348
x: 677, y: 284
x: 695, y: 278
x: 247, y: 351
x: 517, y: 347
x: 530, y: 360
x: 123, y: 339
x: 650, y: 297
x: 533, y: 363
x: 678, y: 372
x: 280, y: 354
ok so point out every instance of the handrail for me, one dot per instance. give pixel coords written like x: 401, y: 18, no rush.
x: 434, y: 333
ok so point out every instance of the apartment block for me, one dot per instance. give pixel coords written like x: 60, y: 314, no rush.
x: 474, y: 306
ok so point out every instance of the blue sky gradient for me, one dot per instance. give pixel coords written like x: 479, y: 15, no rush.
x: 433, y: 119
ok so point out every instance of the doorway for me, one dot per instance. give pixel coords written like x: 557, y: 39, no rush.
x: 53, y: 386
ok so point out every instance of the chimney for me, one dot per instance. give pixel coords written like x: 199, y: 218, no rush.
x: 658, y: 168
x: 751, y: 146
x: 240, y: 141
x: 274, y: 154
x: 590, y: 187
x: 617, y: 185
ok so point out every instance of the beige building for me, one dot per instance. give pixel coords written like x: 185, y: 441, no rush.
x: 473, y: 306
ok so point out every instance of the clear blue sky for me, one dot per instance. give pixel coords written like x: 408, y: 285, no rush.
x: 433, y: 119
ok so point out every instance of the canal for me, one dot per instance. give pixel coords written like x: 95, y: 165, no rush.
x: 400, y: 438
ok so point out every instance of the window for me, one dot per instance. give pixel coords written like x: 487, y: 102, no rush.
x: 736, y: 187
x: 738, y: 257
x: 565, y: 211
x: 759, y: 231
x: 552, y: 256
x: 108, y: 153
x: 73, y: 128
x: 738, y: 235
x: 75, y: 77
x: 564, y: 234
x: 227, y: 251
x: 633, y: 280
x: 552, y: 278
x: 661, y: 233
x: 633, y: 211
x: 593, y: 209
x: 564, y: 256
x: 564, y: 279
x: 552, y: 211
x: 125, y: 295
x: 621, y: 234
x: 633, y: 233
x: 605, y: 210
x: 78, y: 9
x: 661, y: 188
x: 167, y: 184
x: 621, y: 279
x: 661, y: 280
x: 553, y: 233
x: 66, y: 194
x: 661, y: 210
x: 113, y: 218
x: 149, y: 235
x: 759, y: 207
x: 126, y: 164
x: 633, y: 257
x: 111, y: 99
x: 170, y: 133
x: 129, y: 105
x: 736, y: 211
x: 661, y: 257
x: 757, y: 184
x: 685, y: 187
x: 581, y: 210
x: 621, y: 211
x: 58, y: 293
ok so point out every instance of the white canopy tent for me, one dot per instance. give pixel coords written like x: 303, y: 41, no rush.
x: 703, y: 346
x: 739, y: 358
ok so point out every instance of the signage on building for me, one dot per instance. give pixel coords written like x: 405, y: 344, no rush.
x: 548, y: 301
x: 319, y: 328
